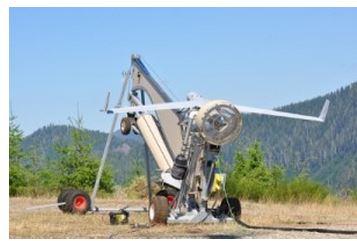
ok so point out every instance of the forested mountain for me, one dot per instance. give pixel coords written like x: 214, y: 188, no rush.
x: 125, y: 152
x: 328, y: 151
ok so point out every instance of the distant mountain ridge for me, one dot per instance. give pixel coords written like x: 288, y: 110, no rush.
x: 124, y: 151
x: 327, y: 150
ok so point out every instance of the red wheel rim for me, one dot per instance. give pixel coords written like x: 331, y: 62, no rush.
x: 80, y: 202
x: 170, y: 199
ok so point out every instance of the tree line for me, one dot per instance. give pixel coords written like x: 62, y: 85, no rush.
x: 327, y: 150
x: 76, y: 166
x: 249, y: 177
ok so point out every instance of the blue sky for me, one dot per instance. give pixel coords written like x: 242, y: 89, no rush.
x: 261, y: 57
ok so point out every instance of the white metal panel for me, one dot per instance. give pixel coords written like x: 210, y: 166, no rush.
x: 153, y: 139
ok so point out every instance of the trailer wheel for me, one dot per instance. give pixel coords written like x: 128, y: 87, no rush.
x: 235, y: 206
x: 170, y: 195
x: 62, y: 198
x: 77, y: 202
x: 159, y: 210
x: 125, y: 126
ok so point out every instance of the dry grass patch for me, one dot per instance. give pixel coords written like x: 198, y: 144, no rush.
x: 337, y: 215
x: 51, y: 223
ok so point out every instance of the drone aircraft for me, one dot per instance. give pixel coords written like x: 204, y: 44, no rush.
x: 185, y: 139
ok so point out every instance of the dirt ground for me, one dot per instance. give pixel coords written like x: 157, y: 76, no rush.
x: 51, y: 223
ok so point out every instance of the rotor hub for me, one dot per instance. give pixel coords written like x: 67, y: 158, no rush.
x: 219, y: 122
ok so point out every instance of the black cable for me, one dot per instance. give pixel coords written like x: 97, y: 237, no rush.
x: 288, y: 229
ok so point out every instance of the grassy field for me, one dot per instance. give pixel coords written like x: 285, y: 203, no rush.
x: 51, y: 223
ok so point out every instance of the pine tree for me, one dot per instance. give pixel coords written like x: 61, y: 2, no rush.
x: 17, y: 173
x: 15, y: 139
x: 78, y: 165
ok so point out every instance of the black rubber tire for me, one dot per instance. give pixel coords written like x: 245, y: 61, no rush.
x: 163, y: 193
x: 234, y: 204
x: 170, y: 194
x: 62, y: 198
x: 125, y: 126
x: 77, y: 202
x: 167, y: 190
x: 159, y: 210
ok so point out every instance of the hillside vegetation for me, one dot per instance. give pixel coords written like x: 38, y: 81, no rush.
x: 326, y: 151
x: 124, y: 155
x: 76, y: 166
x: 251, y: 179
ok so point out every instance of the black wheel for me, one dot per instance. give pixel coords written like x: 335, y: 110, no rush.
x: 170, y: 193
x: 167, y: 191
x: 125, y: 126
x: 159, y: 210
x: 62, y: 198
x: 77, y: 202
x: 163, y: 193
x: 235, y: 206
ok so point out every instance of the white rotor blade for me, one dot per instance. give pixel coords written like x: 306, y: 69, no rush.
x: 321, y: 118
x: 163, y: 106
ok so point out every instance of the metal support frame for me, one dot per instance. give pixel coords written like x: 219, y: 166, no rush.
x: 148, y: 172
x: 191, y: 146
x: 185, y: 146
x: 187, y: 182
x: 108, y: 142
x: 190, y: 141
x: 136, y: 101
x: 126, y: 208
